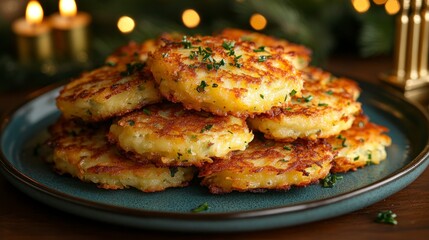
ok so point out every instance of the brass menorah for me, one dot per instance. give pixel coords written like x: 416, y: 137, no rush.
x: 411, y: 46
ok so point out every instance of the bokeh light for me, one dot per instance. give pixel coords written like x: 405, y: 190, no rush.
x: 361, y: 6
x: 190, y: 18
x: 126, y: 24
x: 392, y: 6
x: 258, y: 22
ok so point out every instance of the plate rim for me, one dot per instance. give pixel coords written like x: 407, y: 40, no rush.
x: 9, y: 168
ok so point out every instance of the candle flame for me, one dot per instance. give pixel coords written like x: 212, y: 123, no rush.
x: 34, y: 12
x: 68, y: 8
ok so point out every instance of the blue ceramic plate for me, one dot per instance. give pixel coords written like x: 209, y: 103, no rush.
x: 171, y: 209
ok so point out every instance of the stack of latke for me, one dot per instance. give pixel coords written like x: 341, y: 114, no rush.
x: 159, y: 112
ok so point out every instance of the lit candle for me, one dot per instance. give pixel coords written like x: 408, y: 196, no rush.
x: 70, y: 29
x: 33, y: 36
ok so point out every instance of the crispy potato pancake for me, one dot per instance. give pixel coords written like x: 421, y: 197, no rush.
x: 223, y: 76
x: 363, y: 144
x: 269, y: 165
x: 318, y: 79
x: 299, y: 55
x: 326, y: 108
x: 84, y: 152
x: 108, y: 91
x: 172, y: 136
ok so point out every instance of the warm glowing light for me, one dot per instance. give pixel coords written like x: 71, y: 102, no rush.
x: 34, y: 12
x: 392, y: 6
x: 68, y: 8
x: 361, y: 6
x: 190, y: 18
x: 126, y: 24
x: 379, y: 2
x: 258, y: 22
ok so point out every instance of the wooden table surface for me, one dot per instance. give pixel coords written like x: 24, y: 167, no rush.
x: 21, y: 217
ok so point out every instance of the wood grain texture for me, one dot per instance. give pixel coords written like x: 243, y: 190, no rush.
x: 22, y: 217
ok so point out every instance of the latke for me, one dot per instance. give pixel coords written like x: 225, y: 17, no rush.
x: 169, y: 135
x: 363, y: 144
x: 84, y: 152
x: 326, y: 108
x: 269, y: 165
x: 108, y: 91
x: 223, y: 76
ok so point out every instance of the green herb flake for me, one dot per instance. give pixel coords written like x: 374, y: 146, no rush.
x: 259, y: 49
x: 322, y: 104
x: 387, y: 217
x: 173, y: 171
x: 283, y: 160
x: 164, y: 55
x: 203, y: 207
x: 131, y: 68
x: 308, y: 98
x: 356, y: 158
x: 329, y: 92
x: 206, y: 128
x: 330, y: 180
x: 186, y: 43
x: 292, y: 93
x: 285, y: 147
x: 201, y: 88
x: 111, y: 64
x: 131, y: 122
x: 215, y: 85
x: 261, y: 95
x: 146, y: 111
x: 263, y: 58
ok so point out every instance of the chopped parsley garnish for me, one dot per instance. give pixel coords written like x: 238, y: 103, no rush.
x: 236, y: 63
x: 131, y: 122
x: 387, y: 217
x: 173, y: 171
x: 193, y: 55
x: 285, y: 147
x: 203, y: 207
x: 263, y: 58
x: 111, y: 64
x: 343, y: 142
x: 330, y: 180
x: 329, y: 92
x: 283, y: 160
x: 131, y: 68
x: 146, y: 111
x: 356, y: 158
x: 308, y: 98
x: 201, y: 88
x: 260, y: 49
x: 186, y: 43
x: 215, y: 65
x: 292, y: 93
x: 164, y: 55
x: 214, y: 85
x: 207, y: 128
x: 322, y: 104
x: 229, y: 46
x: 261, y: 95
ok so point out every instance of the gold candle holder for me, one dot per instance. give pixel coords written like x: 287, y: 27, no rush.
x: 70, y: 32
x: 33, y: 37
x: 411, y: 46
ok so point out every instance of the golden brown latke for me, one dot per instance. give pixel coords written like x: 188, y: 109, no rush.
x: 84, y: 152
x: 223, y: 76
x: 326, y: 108
x: 169, y: 135
x: 269, y: 165
x: 106, y: 92
x: 363, y: 144
x: 299, y: 55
